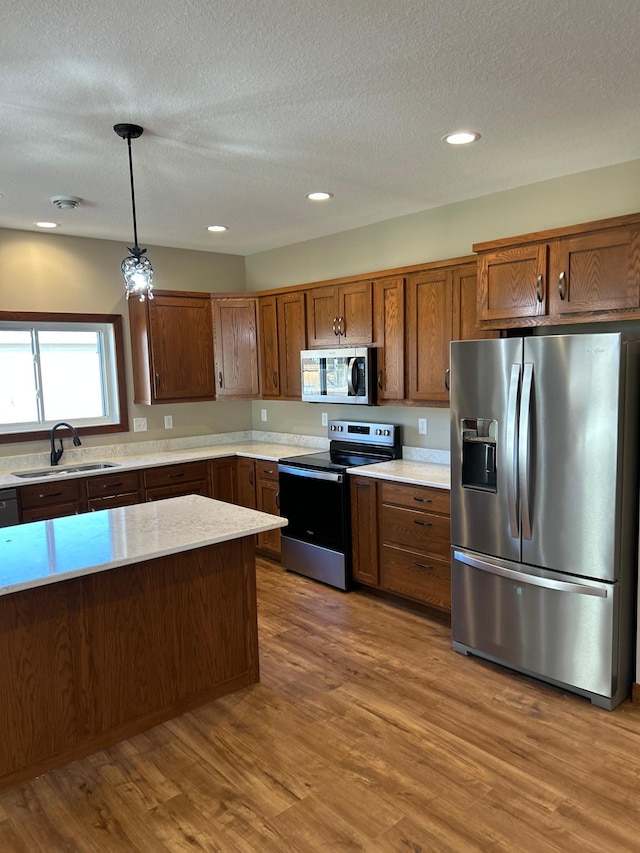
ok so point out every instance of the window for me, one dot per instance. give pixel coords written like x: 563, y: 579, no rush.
x: 60, y: 367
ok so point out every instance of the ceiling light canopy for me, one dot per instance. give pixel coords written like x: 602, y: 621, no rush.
x: 319, y: 196
x: 461, y: 137
x: 136, y: 270
x: 217, y: 228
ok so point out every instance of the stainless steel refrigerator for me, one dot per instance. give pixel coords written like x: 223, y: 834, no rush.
x: 544, y: 507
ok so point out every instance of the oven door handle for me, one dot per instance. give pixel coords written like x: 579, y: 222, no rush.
x: 314, y: 475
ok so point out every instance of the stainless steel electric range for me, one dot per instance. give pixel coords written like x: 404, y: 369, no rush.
x: 314, y: 497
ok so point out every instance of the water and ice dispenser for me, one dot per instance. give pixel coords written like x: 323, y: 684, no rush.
x: 479, y: 441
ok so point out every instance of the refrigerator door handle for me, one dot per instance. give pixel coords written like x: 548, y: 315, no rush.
x: 531, y: 580
x: 524, y: 450
x: 511, y: 449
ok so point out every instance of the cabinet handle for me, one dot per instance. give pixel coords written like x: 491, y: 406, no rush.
x: 446, y: 378
x: 539, y: 288
x: 111, y: 485
x: 173, y: 476
x: 334, y: 325
x: 269, y: 471
x: 341, y: 330
x: 422, y: 500
x: 50, y: 494
x: 275, y: 379
x: 423, y: 523
x: 380, y: 380
x: 422, y: 566
x: 157, y: 381
x: 251, y: 477
x: 562, y: 281
x: 220, y: 378
x: 278, y: 499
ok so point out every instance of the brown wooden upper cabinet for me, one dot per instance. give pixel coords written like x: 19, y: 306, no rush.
x: 235, y: 347
x: 282, y: 336
x: 429, y: 329
x: 388, y: 312
x: 340, y: 315
x: 582, y: 273
x: 172, y: 348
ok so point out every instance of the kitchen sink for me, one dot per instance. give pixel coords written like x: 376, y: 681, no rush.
x: 71, y: 469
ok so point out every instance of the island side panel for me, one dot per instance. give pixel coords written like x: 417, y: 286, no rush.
x: 37, y: 710
x: 102, y: 657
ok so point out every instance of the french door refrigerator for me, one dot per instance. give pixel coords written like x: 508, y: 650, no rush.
x: 544, y: 509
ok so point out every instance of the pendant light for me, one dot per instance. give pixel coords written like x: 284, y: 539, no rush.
x: 136, y: 270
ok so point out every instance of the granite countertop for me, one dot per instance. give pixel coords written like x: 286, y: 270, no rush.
x: 44, y: 552
x: 407, y: 471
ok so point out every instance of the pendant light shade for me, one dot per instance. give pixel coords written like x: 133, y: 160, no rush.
x: 136, y: 269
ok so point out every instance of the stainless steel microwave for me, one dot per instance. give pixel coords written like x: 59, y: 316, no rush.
x: 344, y: 375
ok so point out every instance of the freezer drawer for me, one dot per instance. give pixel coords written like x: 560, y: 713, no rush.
x: 556, y: 627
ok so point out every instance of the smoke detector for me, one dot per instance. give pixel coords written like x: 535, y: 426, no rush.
x: 65, y: 202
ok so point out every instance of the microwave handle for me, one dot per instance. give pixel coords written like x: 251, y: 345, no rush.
x: 351, y: 372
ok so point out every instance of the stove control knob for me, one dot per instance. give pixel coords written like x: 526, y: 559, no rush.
x: 340, y: 429
x: 333, y: 427
x: 378, y: 432
x: 387, y: 432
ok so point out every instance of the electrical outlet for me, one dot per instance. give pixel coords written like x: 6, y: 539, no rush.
x: 422, y: 426
x: 139, y: 424
x: 168, y: 421
x: 325, y: 419
x: 263, y: 414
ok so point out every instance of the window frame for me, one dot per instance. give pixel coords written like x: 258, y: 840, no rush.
x: 120, y: 392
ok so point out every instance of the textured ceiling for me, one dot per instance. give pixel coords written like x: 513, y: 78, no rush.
x: 249, y: 104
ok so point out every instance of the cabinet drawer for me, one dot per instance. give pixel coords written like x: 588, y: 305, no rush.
x: 43, y: 494
x: 416, y: 497
x: 171, y: 474
x: 113, y: 501
x: 266, y: 470
x: 413, y: 529
x: 112, y: 484
x: 417, y: 576
x: 177, y: 490
x: 44, y: 512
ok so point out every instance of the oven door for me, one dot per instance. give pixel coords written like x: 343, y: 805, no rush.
x: 316, y: 507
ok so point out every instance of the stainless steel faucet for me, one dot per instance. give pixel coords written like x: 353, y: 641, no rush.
x: 56, y: 454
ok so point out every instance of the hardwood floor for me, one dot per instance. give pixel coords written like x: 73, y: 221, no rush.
x: 367, y: 732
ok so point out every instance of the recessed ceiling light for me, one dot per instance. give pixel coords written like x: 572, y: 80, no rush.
x: 217, y: 228
x: 461, y: 137
x: 319, y: 196
x: 47, y: 224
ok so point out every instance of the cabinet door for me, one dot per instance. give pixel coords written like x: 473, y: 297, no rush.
x: 223, y: 479
x: 269, y: 362
x: 355, y: 313
x: 181, y: 343
x: 322, y: 317
x: 513, y: 284
x: 246, y: 476
x: 291, y: 340
x: 364, y: 525
x: 388, y: 310
x: 267, y: 492
x: 597, y: 273
x: 429, y: 330
x: 465, y: 306
x: 236, y: 348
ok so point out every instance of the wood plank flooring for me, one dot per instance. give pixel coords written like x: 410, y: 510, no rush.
x: 367, y: 732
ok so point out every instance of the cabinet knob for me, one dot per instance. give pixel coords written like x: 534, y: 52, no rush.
x: 562, y: 283
x: 540, y: 288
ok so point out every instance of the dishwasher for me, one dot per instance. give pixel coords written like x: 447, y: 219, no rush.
x: 8, y: 507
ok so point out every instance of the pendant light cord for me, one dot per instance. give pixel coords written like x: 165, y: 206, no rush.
x: 133, y: 194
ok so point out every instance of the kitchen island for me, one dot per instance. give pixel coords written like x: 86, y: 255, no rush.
x: 114, y: 621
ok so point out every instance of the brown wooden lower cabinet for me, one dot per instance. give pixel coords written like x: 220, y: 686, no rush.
x: 246, y: 481
x: 113, y: 653
x: 109, y: 491
x: 267, y: 492
x: 42, y: 501
x: 172, y: 481
x: 401, y: 540
x: 223, y: 479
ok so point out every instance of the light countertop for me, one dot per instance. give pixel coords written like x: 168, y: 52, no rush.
x: 44, y: 552
x: 407, y: 471
x: 255, y: 449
